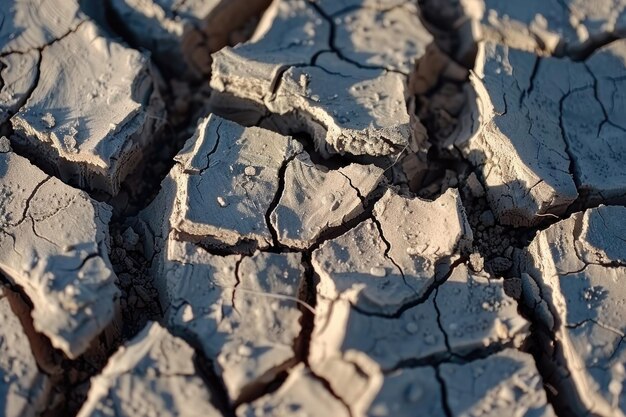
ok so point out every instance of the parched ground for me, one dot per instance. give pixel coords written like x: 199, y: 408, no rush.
x: 312, y: 208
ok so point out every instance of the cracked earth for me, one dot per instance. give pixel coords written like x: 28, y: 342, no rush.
x: 312, y: 208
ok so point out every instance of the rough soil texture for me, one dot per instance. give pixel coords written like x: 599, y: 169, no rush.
x: 312, y: 208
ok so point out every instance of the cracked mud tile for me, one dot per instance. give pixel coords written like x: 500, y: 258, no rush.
x: 30, y: 24
x: 182, y: 34
x: 395, y: 257
x: 295, y: 68
x: 302, y: 394
x: 560, y: 27
x: 315, y: 199
x: 154, y: 374
x: 573, y: 285
x: 241, y: 311
x: 92, y: 106
x: 24, y: 389
x: 236, y: 187
x: 549, y: 131
x: 354, y: 350
x: 54, y: 244
x: 227, y: 180
x: 505, y: 383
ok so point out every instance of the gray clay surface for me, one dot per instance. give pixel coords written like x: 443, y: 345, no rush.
x: 312, y: 208
x: 577, y: 266
x: 295, y: 67
x: 24, y: 389
x: 154, y: 375
x: 548, y: 131
x: 54, y: 244
x: 181, y: 34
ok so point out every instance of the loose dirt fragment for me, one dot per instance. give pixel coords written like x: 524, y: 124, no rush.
x: 182, y: 34
x: 577, y: 267
x: 92, y: 108
x: 295, y: 68
x: 353, y: 349
x: 241, y: 311
x: 504, y: 383
x: 154, y: 374
x: 24, y: 389
x: 548, y: 132
x: 54, y: 244
x: 300, y: 394
x: 393, y: 259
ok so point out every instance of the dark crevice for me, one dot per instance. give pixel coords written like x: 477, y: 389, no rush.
x: 214, y: 385
x: 438, y: 281
x: 332, y: 392
x: 276, y: 200
x: 444, y: 393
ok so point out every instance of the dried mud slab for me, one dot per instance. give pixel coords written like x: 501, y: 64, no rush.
x: 235, y: 187
x: 548, y: 131
x: 29, y: 25
x: 573, y: 286
x: 344, y: 84
x: 93, y: 110
x: 182, y: 34
x: 154, y: 374
x: 241, y: 311
x: 381, y: 305
x: 395, y: 257
x: 54, y: 244
x: 505, y: 383
x: 24, y: 388
x: 550, y: 27
x: 301, y: 394
x: 225, y: 182
x: 315, y: 199
x: 354, y: 350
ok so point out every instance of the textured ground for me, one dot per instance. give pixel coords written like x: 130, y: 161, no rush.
x: 312, y: 208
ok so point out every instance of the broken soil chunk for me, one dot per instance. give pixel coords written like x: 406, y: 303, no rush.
x: 549, y: 130
x: 241, y: 311
x: 54, y: 244
x: 153, y: 375
x: 30, y: 24
x: 84, y: 120
x: 220, y: 199
x: 23, y: 387
x: 292, y: 67
x: 393, y: 259
x: 233, y: 186
x: 389, y: 36
x: 505, y: 383
x: 315, y: 199
x: 549, y: 27
x: 301, y: 394
x: 579, y: 265
x: 182, y: 34
x: 360, y: 347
